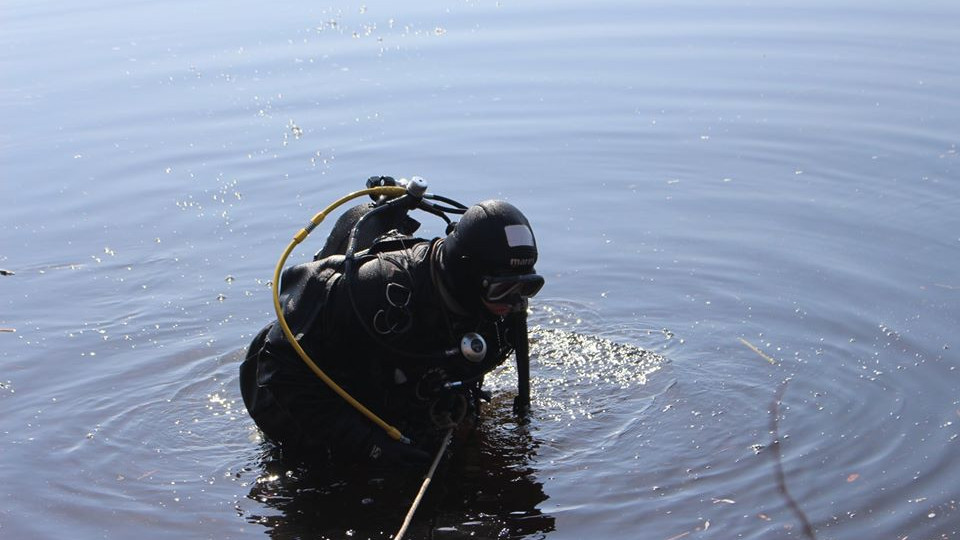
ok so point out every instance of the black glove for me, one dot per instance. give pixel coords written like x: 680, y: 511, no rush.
x: 355, y: 438
x: 521, y: 407
x: 381, y: 449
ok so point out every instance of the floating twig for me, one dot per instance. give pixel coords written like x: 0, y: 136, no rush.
x: 755, y: 349
x: 148, y: 473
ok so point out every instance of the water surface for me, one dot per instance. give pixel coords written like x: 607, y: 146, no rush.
x: 747, y: 214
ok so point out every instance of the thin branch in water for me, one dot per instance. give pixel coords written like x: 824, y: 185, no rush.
x: 778, y: 462
x: 757, y: 350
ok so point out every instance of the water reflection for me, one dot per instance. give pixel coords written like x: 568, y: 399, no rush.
x: 486, y: 488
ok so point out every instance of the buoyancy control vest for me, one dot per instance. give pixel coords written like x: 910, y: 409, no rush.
x: 378, y: 321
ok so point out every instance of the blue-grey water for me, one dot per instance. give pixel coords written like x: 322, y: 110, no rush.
x: 748, y: 215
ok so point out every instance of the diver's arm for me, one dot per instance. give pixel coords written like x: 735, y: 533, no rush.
x: 521, y: 403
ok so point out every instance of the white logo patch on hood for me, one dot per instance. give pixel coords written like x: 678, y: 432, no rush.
x: 519, y: 235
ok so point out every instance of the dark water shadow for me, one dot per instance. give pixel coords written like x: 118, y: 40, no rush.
x: 486, y: 487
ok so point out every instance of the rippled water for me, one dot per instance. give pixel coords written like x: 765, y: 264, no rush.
x: 748, y: 219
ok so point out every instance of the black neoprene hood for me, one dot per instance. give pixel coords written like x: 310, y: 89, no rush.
x: 492, y: 238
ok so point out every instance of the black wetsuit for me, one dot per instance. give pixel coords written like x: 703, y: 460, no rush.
x: 377, y: 325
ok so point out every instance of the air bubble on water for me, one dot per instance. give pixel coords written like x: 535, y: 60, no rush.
x: 295, y: 129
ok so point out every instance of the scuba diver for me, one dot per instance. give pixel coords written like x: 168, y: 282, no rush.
x: 407, y: 327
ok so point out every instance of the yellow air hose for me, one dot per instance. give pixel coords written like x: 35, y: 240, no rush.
x: 389, y: 191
